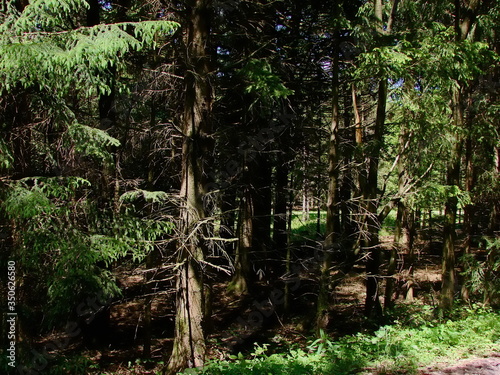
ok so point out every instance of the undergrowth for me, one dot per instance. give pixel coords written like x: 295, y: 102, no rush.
x: 394, y: 349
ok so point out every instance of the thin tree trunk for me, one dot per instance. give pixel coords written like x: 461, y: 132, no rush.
x: 373, y: 307
x: 410, y: 285
x: 280, y: 206
x: 239, y: 282
x: 305, y: 200
x: 469, y: 208
x: 400, y: 224
x: 449, y: 234
x: 359, y: 222
x: 332, y: 207
x: 262, y: 212
x: 494, y: 222
x: 288, y: 260
x: 345, y: 191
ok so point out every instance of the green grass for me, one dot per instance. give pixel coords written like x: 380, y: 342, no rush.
x: 307, y: 229
x: 389, y: 224
x: 390, y: 350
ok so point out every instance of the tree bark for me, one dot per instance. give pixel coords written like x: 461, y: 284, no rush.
x: 449, y: 234
x: 400, y: 225
x: 239, y: 283
x: 462, y: 30
x: 373, y: 307
x: 332, y: 207
x: 189, y: 340
x: 280, y: 205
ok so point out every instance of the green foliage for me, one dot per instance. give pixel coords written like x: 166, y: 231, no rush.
x: 262, y: 81
x: 391, y: 349
x: 388, y: 225
x: 434, y: 195
x: 6, y: 158
x: 297, y: 362
x: 75, y: 365
x: 65, y: 236
x: 388, y: 61
x: 307, y: 229
x: 27, y: 203
x: 46, y: 15
x: 34, y: 54
x: 90, y: 141
x: 482, y: 278
x: 488, y: 185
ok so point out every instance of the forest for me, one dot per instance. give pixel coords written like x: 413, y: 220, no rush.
x: 249, y: 186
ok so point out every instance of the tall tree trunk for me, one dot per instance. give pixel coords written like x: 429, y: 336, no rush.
x: 347, y: 229
x: 332, y: 207
x: 358, y: 221
x: 468, y: 224
x: 411, y: 255
x: 462, y: 30
x: 189, y: 340
x: 449, y: 234
x: 371, y: 242
x: 288, y: 259
x: 305, y: 190
x: 280, y: 205
x: 494, y: 222
x: 373, y: 307
x: 400, y: 225
x: 262, y: 213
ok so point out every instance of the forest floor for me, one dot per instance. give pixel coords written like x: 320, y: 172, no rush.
x: 240, y: 324
x: 474, y: 366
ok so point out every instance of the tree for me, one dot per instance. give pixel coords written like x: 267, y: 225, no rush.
x: 189, y: 341
x: 57, y: 65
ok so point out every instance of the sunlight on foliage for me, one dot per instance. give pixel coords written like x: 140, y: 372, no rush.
x: 390, y: 349
x: 262, y: 81
x: 90, y: 141
x: 35, y: 54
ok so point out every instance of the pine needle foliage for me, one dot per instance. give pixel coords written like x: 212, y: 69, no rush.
x: 90, y: 141
x: 65, y: 237
x: 36, y: 52
x: 62, y: 237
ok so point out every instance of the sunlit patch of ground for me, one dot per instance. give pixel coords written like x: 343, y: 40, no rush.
x: 474, y: 366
